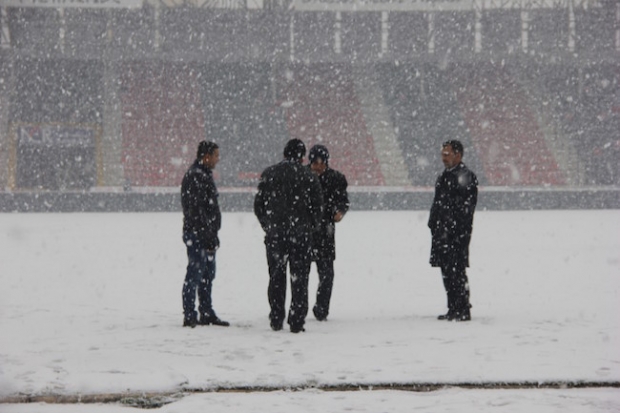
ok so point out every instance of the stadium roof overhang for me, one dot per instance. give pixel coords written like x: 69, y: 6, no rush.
x: 315, y: 5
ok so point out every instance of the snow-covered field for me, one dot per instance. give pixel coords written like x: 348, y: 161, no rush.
x: 91, y: 304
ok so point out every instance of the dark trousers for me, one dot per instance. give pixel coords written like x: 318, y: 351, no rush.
x: 198, y: 278
x: 325, y: 268
x: 457, y: 288
x: 294, y: 251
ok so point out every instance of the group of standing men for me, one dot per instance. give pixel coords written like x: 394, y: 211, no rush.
x: 297, y: 207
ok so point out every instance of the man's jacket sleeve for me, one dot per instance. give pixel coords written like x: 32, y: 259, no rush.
x: 316, y: 203
x: 260, y: 204
x: 342, y: 198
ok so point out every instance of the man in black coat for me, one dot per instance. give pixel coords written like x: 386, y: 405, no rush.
x: 288, y: 206
x: 336, y: 205
x: 451, y: 222
x: 201, y: 222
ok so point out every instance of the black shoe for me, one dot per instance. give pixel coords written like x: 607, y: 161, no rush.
x: 213, y: 320
x: 464, y: 316
x: 297, y: 329
x: 275, y: 326
x: 189, y: 323
x: 446, y: 316
x: 319, y: 315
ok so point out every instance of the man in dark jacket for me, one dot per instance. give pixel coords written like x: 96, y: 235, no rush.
x: 451, y: 221
x: 288, y: 206
x: 201, y: 222
x: 336, y: 204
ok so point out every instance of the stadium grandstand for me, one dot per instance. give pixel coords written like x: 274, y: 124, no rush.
x: 97, y: 95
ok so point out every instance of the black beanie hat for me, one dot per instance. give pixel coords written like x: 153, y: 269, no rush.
x: 294, y: 149
x: 318, y: 152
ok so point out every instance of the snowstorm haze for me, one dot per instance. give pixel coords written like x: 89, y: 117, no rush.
x: 103, y: 104
x: 107, y: 97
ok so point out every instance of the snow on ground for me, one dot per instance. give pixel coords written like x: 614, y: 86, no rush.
x: 91, y: 304
x: 315, y: 401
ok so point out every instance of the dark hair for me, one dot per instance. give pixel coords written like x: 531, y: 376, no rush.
x: 456, y: 146
x: 318, y: 152
x: 295, y: 150
x: 206, y: 147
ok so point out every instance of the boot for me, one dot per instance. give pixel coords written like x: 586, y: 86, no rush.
x: 445, y: 316
x: 462, y: 315
x: 213, y: 320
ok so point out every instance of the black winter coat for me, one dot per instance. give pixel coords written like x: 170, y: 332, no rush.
x: 201, y: 210
x: 335, y: 198
x: 452, y: 215
x: 289, y: 199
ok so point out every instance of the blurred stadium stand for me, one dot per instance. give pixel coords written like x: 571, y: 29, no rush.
x: 531, y: 87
